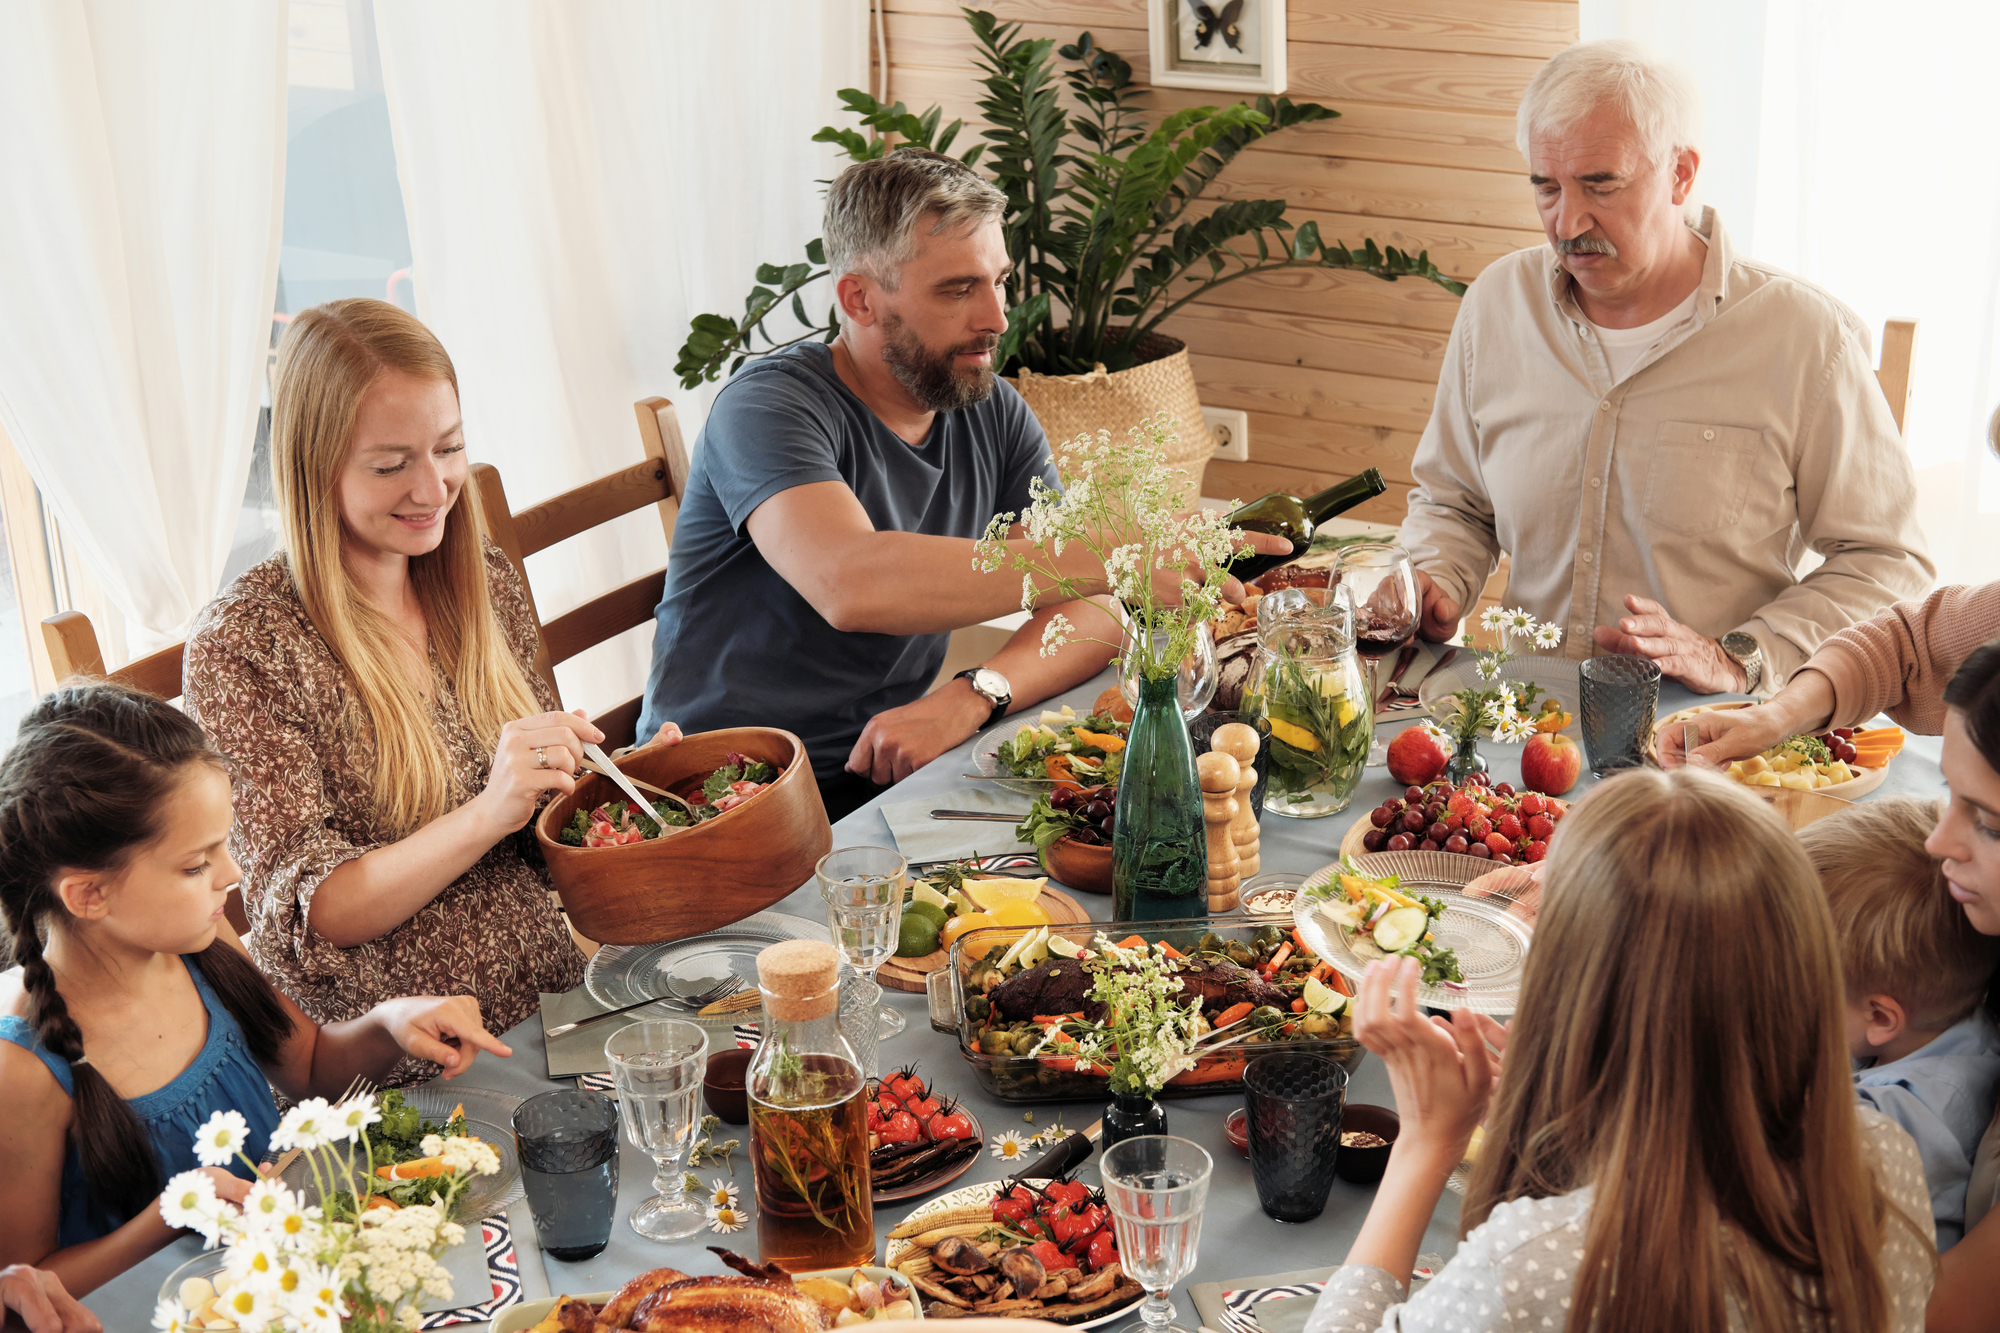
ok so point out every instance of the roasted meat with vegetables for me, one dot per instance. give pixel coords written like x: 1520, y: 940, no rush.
x: 1060, y: 985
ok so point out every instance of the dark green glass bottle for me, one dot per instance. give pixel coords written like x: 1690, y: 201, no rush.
x: 1289, y: 516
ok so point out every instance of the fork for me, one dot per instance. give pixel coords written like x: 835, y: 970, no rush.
x: 727, y: 986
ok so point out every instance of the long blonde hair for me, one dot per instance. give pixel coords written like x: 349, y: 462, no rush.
x: 329, y: 358
x: 1679, y: 1046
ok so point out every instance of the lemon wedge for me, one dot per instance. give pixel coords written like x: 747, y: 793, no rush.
x: 990, y: 893
x: 1295, y: 736
x: 1026, y: 945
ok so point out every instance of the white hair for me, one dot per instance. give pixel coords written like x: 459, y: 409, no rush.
x: 1657, y: 96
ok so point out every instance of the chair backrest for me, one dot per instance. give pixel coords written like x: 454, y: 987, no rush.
x: 73, y: 651
x: 1899, y: 349
x: 659, y: 480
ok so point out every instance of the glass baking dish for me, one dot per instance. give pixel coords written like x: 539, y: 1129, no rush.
x: 1020, y: 1078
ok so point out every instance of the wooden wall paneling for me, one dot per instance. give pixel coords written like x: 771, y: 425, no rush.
x: 1315, y: 343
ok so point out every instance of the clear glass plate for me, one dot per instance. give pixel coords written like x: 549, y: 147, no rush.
x: 986, y: 761
x: 1556, y: 676
x: 1492, y: 943
x: 622, y: 974
x: 489, y: 1117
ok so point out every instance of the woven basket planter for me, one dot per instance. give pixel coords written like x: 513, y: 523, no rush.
x: 1073, y: 405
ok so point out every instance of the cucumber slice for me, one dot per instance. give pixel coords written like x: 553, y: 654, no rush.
x: 1401, y: 928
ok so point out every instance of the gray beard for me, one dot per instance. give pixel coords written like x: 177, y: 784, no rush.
x: 930, y: 377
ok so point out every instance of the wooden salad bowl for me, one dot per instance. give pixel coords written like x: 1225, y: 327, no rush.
x: 1085, y: 869
x: 701, y: 878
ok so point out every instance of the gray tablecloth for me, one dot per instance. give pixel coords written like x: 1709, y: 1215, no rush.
x: 1238, y: 1241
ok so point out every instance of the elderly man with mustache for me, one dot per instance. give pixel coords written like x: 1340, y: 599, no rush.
x: 1656, y: 428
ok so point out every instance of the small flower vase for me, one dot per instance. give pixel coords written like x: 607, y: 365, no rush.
x: 1465, y: 761
x: 1159, y: 852
x: 1132, y: 1114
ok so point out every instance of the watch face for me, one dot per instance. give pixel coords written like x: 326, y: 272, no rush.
x: 991, y: 684
x: 1739, y: 644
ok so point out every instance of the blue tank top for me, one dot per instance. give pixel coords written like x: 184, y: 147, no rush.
x: 223, y: 1077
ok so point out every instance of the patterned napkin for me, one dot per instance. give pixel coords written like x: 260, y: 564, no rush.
x: 921, y: 838
x: 503, y: 1275
x: 1279, y: 1303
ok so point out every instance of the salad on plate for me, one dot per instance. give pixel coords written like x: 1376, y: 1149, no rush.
x: 1066, y: 748
x: 1378, y: 920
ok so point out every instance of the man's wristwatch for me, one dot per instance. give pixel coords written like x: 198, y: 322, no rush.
x: 991, y: 686
x: 1743, y: 651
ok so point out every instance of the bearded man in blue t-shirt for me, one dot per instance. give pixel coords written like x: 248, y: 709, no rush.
x: 824, y: 549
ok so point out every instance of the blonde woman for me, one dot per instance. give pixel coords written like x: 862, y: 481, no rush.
x: 373, y: 684
x: 1674, y: 1143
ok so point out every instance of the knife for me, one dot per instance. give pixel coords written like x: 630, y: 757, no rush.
x: 1065, y: 1156
x: 1403, y: 660
x: 983, y: 816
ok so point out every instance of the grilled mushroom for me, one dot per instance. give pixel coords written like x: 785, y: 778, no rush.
x: 1024, y: 1270
x: 956, y: 1254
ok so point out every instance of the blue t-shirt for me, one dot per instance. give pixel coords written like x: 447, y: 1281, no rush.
x: 734, y: 644
x: 1942, y: 1093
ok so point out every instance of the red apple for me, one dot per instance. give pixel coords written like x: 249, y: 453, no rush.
x: 1417, y: 756
x: 1550, y: 763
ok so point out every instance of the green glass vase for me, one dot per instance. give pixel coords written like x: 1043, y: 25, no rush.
x: 1159, y: 860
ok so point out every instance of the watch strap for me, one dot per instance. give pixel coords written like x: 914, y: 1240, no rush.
x: 999, y: 705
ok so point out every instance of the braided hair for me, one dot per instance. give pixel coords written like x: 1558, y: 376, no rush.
x: 81, y: 790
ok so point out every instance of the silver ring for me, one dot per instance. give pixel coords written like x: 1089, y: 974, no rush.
x: 541, y: 756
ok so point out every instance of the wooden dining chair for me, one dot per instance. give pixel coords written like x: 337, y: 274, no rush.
x: 660, y: 479
x: 1899, y: 349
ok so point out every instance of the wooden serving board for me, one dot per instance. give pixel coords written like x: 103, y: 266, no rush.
x: 909, y: 973
x: 1870, y: 778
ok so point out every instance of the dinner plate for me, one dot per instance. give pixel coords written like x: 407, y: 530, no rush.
x: 1556, y: 676
x: 524, y: 1316
x: 1870, y: 778
x: 943, y: 1175
x: 894, y: 1250
x: 622, y: 974
x: 986, y: 759
x: 1491, y: 942
x: 489, y: 1117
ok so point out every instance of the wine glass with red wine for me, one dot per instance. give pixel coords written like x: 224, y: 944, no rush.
x: 1387, y: 607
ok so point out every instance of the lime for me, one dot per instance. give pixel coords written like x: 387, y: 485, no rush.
x: 917, y: 936
x: 923, y: 891
x: 928, y: 910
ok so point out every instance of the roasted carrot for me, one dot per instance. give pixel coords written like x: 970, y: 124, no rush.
x: 1298, y: 1006
x: 1338, y: 982
x: 1232, y: 1013
x: 1170, y: 951
x: 1132, y: 942
x: 1212, y: 1069
x: 1278, y: 958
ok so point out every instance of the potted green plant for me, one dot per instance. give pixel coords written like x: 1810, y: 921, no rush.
x: 1102, y: 220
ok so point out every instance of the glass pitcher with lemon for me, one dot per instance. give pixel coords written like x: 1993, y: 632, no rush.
x: 1308, y: 683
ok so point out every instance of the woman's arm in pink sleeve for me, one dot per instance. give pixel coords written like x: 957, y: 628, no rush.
x: 1900, y: 661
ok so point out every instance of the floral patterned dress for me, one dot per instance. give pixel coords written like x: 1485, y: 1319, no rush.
x: 274, y: 698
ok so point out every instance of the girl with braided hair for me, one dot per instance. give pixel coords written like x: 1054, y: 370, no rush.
x: 133, y: 1012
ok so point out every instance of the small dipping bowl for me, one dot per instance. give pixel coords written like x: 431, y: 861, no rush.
x: 1237, y: 1128
x: 1364, y: 1166
x: 722, y: 1086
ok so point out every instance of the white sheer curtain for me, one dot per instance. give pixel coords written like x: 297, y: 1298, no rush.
x: 1857, y: 144
x: 581, y: 179
x: 141, y: 175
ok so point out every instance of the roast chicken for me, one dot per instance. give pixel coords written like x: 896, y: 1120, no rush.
x: 666, y: 1300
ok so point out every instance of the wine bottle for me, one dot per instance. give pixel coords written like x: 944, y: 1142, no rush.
x: 1288, y: 516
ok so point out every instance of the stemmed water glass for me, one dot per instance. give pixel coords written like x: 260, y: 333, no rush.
x: 863, y: 888
x: 1156, y: 1186
x: 1387, y: 609
x: 656, y: 1068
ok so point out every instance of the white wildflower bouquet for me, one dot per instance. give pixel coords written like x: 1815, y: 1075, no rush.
x: 291, y: 1267
x: 1137, y: 514
x: 1148, y: 1035
x: 1508, y: 710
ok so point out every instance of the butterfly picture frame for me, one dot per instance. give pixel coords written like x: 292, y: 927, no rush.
x: 1228, y: 45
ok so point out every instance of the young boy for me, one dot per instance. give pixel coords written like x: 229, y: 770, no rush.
x: 1928, y: 1057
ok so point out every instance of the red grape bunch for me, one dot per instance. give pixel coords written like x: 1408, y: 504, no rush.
x: 1490, y: 822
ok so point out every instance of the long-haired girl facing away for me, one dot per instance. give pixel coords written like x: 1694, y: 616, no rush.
x: 132, y: 1012
x: 1674, y: 1143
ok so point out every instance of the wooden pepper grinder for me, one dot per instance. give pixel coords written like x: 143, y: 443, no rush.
x: 1219, y: 776
x: 1241, y: 742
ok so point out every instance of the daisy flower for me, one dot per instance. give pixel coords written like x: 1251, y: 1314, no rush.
x: 355, y: 1115
x: 721, y: 1193
x: 1547, y: 636
x: 267, y: 1204
x: 1518, y: 621
x: 249, y: 1305
x: 1513, y: 730
x: 190, y: 1202
x: 309, y: 1126
x: 726, y: 1220
x: 1488, y: 668
x: 168, y: 1315
x: 221, y: 1139
x: 1008, y: 1147
x: 1492, y: 618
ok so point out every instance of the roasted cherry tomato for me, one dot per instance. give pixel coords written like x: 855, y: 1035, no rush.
x: 902, y: 1128
x: 923, y: 1108
x: 1014, y: 1206
x: 955, y: 1125
x: 1103, y: 1250
x: 1051, y: 1257
x: 1061, y: 1193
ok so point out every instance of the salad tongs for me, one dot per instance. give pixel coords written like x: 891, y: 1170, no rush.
x: 610, y: 770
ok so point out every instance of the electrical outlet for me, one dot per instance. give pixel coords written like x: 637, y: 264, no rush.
x: 1232, y: 433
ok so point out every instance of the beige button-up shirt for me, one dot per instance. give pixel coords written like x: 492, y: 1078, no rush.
x: 1745, y: 437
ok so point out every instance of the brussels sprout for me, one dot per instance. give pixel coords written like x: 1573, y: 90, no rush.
x: 1320, y: 1025
x: 996, y: 1042
x: 1212, y: 943
x: 1270, y: 937
x: 1241, y: 953
x: 1025, y: 1042
x: 977, y: 1007
x: 1265, y: 1015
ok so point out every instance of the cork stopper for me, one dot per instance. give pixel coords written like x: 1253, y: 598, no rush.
x: 800, y: 980
x: 1237, y: 740
x: 1219, y: 771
